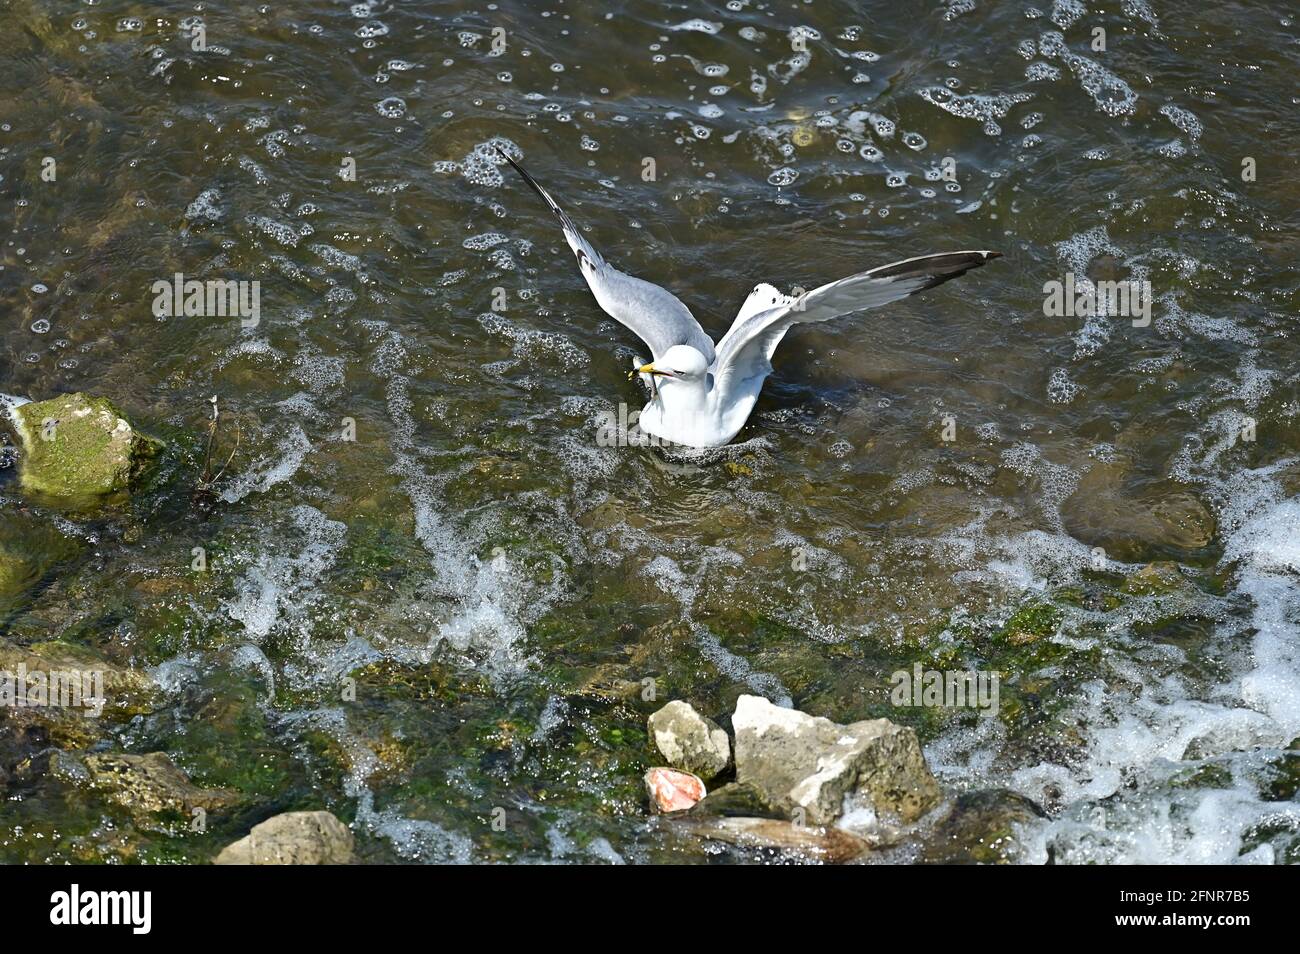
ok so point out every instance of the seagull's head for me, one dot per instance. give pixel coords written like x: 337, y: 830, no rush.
x: 678, y: 363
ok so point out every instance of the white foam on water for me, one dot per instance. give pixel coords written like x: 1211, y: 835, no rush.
x: 1112, y: 95
x: 1141, y: 10
x: 528, y: 344
x: 1150, y: 719
x: 1040, y: 72
x: 739, y: 669
x: 1055, y: 481
x: 698, y: 26
x: 280, y: 232
x: 320, y: 372
x: 481, y: 164
x: 270, y: 469
x: 562, y: 846
x: 205, y: 207
x: 250, y: 347
x: 1060, y: 388
x: 1077, y: 254
x: 668, y: 576
x: 489, y: 602
x: 957, y: 8
x: 1184, y: 119
x: 415, y: 839
x: 249, y: 656
x: 337, y: 258
x: 281, y: 585
x: 985, y: 108
x: 1263, y: 542
x: 553, y: 715
x: 1176, y: 321
x: 1065, y: 13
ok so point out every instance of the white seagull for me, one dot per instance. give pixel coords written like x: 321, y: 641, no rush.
x: 705, y: 391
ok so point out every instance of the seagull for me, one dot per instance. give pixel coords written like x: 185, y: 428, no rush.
x: 703, y: 393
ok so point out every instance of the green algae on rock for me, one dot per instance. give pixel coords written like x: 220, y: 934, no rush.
x: 151, y: 784
x: 76, y: 447
x: 83, y: 693
x: 981, y: 828
x: 29, y: 548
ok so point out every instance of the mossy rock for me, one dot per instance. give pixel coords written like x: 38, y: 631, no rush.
x: 1284, y: 781
x: 81, y: 722
x: 78, y: 448
x: 127, y: 692
x: 1160, y: 577
x: 152, y: 784
x: 982, y: 829
x: 17, y: 572
x: 1030, y: 624
x: 1209, y: 775
x: 29, y: 547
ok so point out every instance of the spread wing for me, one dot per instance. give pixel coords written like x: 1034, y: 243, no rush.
x: 746, y: 350
x: 655, y: 315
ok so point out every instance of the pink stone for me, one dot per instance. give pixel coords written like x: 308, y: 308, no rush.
x: 671, y: 790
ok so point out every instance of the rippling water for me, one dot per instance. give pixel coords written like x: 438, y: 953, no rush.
x: 493, y: 578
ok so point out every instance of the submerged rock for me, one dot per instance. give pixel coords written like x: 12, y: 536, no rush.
x: 689, y: 741
x: 152, y: 783
x: 29, y: 547
x: 1101, y: 512
x: 1156, y: 578
x: 85, y: 683
x: 18, y: 570
x: 57, y: 694
x: 76, y: 446
x: 673, y: 791
x: 831, y: 845
x: 804, y: 765
x: 294, y: 838
x: 981, y: 829
x: 1184, y: 520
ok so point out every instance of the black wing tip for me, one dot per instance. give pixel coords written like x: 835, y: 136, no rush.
x: 532, y: 183
x: 506, y: 156
x: 936, y: 269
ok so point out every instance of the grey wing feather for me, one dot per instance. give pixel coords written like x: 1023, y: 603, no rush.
x: 654, y: 314
x: 746, y: 350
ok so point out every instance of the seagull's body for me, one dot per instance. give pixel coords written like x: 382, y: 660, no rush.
x: 703, y: 393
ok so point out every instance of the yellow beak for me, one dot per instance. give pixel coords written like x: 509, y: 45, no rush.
x: 645, y: 369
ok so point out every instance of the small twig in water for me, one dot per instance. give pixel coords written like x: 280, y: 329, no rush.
x: 207, y: 479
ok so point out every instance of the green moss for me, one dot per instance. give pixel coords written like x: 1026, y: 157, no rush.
x: 127, y: 692
x: 1204, y: 776
x: 29, y: 548
x: 1155, y: 578
x: 1030, y: 624
x: 1280, y: 833
x: 77, y: 448
x: 1285, y: 779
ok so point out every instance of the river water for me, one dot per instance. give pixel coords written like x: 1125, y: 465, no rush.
x: 455, y: 618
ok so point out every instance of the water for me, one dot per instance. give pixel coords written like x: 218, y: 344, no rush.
x: 494, y: 583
